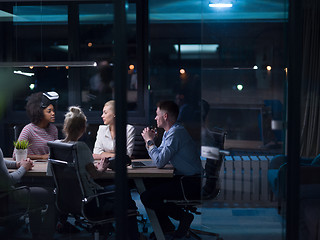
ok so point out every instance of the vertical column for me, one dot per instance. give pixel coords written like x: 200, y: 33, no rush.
x: 121, y: 119
x: 295, y: 59
x: 142, y: 26
x: 73, y: 54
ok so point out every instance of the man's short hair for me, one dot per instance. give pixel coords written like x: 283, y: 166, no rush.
x: 170, y: 107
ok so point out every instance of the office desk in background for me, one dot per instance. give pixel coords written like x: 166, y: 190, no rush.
x: 137, y: 174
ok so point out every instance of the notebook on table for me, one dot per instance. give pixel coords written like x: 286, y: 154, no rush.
x: 143, y: 164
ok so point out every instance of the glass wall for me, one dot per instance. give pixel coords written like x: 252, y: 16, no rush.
x: 226, y: 68
x: 67, y: 47
x: 51, y: 42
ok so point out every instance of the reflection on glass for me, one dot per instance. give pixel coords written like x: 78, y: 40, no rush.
x: 43, y: 36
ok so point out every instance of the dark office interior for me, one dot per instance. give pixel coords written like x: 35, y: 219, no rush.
x: 255, y: 64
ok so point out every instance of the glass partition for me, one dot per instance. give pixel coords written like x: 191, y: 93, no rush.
x: 226, y: 69
x: 56, y: 44
x: 67, y: 47
x: 224, y: 65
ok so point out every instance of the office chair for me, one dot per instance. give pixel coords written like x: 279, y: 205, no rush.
x: 211, y: 185
x: 70, y: 195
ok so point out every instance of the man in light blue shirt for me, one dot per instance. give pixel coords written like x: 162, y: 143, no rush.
x: 177, y: 148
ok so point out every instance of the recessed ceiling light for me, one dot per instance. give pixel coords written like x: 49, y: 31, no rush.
x: 220, y: 4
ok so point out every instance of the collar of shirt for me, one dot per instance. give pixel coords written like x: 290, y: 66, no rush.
x: 108, y: 133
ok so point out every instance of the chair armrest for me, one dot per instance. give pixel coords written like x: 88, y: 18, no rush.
x: 224, y: 153
x: 282, y: 181
x: 88, y: 199
x: 277, y: 161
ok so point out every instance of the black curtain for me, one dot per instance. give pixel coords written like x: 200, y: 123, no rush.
x: 310, y: 134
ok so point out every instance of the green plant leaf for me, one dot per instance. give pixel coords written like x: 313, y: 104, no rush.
x: 23, y: 144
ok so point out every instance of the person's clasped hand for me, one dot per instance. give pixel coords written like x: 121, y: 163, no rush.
x: 26, y: 163
x: 148, y: 134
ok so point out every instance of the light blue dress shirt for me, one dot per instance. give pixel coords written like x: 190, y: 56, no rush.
x: 177, y: 148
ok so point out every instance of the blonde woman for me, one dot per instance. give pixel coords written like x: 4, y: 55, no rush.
x: 74, y: 127
x: 105, y: 144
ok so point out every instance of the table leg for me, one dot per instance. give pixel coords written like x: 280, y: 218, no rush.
x: 151, y: 214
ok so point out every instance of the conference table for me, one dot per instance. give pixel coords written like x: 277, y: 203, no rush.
x: 137, y: 174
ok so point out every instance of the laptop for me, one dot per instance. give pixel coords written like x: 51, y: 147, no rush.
x: 143, y: 164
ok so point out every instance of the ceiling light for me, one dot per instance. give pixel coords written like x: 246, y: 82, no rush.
x: 240, y: 87
x: 31, y: 65
x: 24, y: 73
x: 196, y: 48
x: 221, y: 4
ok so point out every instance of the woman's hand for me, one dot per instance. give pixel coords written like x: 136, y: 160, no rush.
x: 26, y: 163
x: 103, y: 155
x: 103, y: 164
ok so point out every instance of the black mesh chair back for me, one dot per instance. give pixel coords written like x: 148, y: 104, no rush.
x: 62, y: 161
x: 70, y: 195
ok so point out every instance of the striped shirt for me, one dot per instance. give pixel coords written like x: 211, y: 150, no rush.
x: 38, y: 138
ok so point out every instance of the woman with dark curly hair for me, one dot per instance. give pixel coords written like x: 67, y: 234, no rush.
x: 40, y: 110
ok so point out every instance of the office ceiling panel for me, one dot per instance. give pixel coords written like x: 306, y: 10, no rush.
x: 160, y: 11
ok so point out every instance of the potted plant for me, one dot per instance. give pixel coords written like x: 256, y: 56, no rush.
x: 21, y: 149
